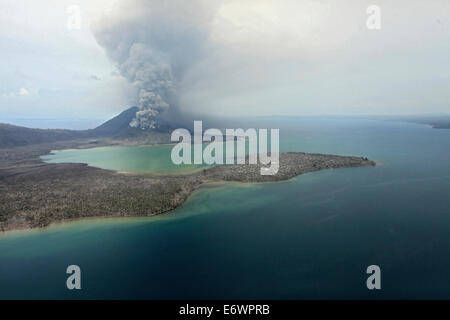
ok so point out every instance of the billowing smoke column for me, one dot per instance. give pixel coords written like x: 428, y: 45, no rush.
x: 151, y: 73
x: 153, y: 43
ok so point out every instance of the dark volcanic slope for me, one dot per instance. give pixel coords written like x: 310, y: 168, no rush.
x: 11, y: 136
x: 34, y: 194
x: 118, y: 125
x: 116, y: 128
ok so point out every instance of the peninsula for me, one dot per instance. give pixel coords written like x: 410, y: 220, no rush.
x: 34, y: 194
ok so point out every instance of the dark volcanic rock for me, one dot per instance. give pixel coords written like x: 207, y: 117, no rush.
x: 117, y: 128
x: 118, y: 125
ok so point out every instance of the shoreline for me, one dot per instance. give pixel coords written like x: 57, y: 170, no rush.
x: 61, y: 223
x: 35, y: 194
x: 132, y: 218
x: 176, y: 172
x: 116, y: 219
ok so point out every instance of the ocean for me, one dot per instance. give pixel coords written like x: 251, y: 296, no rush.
x: 311, y: 237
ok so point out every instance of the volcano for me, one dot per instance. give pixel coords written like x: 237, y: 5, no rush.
x: 116, y: 128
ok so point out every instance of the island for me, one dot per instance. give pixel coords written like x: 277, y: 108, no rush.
x: 36, y: 194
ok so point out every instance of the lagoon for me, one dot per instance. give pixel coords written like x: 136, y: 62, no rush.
x: 154, y: 159
x: 310, y: 237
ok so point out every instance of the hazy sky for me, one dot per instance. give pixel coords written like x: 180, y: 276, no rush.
x: 224, y: 57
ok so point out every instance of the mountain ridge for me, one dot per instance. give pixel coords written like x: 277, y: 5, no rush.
x: 117, y: 127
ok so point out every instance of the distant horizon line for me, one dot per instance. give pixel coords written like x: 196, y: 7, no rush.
x: 248, y: 116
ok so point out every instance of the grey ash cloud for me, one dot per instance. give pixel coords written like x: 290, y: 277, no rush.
x: 153, y: 43
x: 270, y: 57
x: 94, y: 77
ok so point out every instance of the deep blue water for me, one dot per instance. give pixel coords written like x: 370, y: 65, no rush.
x: 310, y: 237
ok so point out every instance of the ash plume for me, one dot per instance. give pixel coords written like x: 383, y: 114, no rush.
x: 153, y: 43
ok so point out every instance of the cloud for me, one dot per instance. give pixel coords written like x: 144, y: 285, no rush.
x: 8, y: 95
x: 153, y: 43
x: 168, y: 50
x: 19, y: 93
x: 23, y: 92
x: 271, y: 57
x: 94, y: 77
x: 38, y: 51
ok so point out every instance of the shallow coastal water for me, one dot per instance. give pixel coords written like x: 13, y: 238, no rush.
x: 131, y: 158
x: 310, y: 237
x: 138, y: 159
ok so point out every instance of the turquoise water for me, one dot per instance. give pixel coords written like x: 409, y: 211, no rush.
x: 142, y: 159
x: 137, y: 159
x: 310, y: 237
